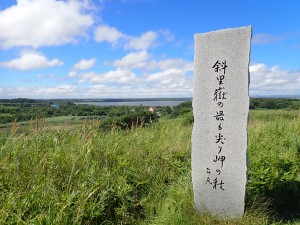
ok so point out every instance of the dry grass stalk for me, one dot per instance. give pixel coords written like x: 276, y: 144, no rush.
x: 14, y: 127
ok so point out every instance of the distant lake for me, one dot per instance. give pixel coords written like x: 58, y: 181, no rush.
x: 133, y: 103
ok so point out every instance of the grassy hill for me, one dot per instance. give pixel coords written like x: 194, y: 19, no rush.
x: 141, y: 175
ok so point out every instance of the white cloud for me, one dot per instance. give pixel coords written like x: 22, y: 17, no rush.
x: 142, y: 60
x: 167, y: 35
x: 165, y: 76
x: 273, y: 80
x: 133, y: 91
x: 84, y: 64
x: 164, y: 83
x: 181, y: 64
x: 149, y: 39
x: 43, y: 23
x: 31, y: 61
x: 133, y: 60
x: 174, y: 77
x: 93, y: 91
x: 170, y: 79
x: 113, y: 76
x: 62, y: 91
x: 108, y: 34
x: 143, y: 42
x: 72, y: 73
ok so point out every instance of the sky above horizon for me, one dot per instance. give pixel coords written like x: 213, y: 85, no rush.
x: 137, y: 48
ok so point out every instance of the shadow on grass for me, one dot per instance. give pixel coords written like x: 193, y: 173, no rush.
x: 284, y: 200
x: 285, y: 197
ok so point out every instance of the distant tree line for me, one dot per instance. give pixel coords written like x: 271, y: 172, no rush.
x: 274, y: 103
x: 185, y: 109
x: 24, y: 110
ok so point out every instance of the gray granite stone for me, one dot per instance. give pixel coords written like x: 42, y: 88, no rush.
x: 220, y: 106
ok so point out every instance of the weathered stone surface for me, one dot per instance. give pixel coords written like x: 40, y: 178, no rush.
x: 220, y: 106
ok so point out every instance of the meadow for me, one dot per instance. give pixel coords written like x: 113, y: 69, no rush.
x: 140, y: 175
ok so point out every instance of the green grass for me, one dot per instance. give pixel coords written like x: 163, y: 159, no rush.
x: 57, y: 120
x: 48, y: 123
x: 274, y: 159
x: 141, y: 176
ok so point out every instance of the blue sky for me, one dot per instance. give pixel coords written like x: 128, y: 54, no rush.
x: 137, y: 48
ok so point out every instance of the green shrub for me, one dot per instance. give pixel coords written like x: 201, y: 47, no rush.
x: 130, y: 120
x: 181, y: 109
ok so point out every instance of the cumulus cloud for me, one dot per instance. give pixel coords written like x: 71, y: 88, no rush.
x: 157, y: 77
x: 84, y: 64
x: 181, y: 64
x: 133, y: 60
x: 167, y: 35
x: 43, y: 23
x: 104, y: 33
x: 266, y: 80
x: 132, y: 91
x: 142, y: 60
x: 61, y: 91
x: 145, y: 41
x: 170, y: 79
x: 113, y: 76
x: 149, y: 39
x: 72, y: 73
x: 31, y: 61
x: 93, y: 91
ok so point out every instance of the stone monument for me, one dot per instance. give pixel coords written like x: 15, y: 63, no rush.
x: 220, y: 106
